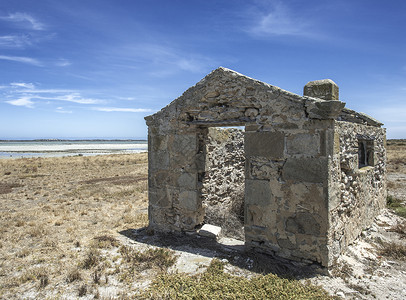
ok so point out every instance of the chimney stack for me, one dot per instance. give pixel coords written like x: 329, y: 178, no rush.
x: 325, y: 89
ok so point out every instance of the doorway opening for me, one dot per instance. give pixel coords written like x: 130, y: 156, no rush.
x: 223, y: 182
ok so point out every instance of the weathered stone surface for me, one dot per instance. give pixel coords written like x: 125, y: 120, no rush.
x: 266, y: 144
x: 159, y: 160
x: 161, y: 197
x: 188, y: 181
x: 324, y: 109
x: 189, y: 200
x: 305, y: 170
x: 159, y: 142
x: 307, y: 144
x: 324, y: 89
x: 304, y: 223
x: 257, y: 192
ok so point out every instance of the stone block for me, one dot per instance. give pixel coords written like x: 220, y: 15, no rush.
x: 158, y: 160
x: 324, y: 89
x: 253, y: 215
x: 258, y: 192
x: 210, y: 231
x: 159, y: 142
x: 262, y: 168
x: 303, y: 223
x: 189, y: 200
x: 187, y: 181
x: 306, y: 144
x: 265, y: 144
x: 184, y: 144
x: 319, y: 109
x: 160, y: 178
x: 160, y: 197
x: 305, y: 170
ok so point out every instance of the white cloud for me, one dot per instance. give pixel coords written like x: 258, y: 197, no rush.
x: 22, y: 59
x: 118, y: 109
x: 24, y: 19
x: 23, y: 101
x: 14, y: 41
x: 23, y: 85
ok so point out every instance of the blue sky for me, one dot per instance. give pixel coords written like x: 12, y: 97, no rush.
x: 96, y: 68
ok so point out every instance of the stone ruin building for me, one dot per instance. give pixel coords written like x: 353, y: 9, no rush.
x: 303, y: 178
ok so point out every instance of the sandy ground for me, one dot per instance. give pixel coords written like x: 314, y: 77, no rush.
x: 66, y: 223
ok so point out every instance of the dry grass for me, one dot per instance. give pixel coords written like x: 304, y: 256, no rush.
x: 396, y: 155
x: 60, y: 217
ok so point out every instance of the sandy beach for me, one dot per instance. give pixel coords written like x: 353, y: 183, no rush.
x: 69, y: 229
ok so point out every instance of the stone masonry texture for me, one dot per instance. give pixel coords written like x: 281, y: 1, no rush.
x: 294, y: 173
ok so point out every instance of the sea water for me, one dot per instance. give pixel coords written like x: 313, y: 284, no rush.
x: 53, y: 148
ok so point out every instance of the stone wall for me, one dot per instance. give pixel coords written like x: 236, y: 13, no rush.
x: 356, y: 194
x: 223, y: 183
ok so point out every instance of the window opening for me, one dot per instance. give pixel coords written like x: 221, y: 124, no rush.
x: 365, y: 153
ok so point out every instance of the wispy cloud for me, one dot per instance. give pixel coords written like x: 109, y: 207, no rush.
x: 73, y: 97
x: 162, y: 60
x: 23, y: 101
x: 278, y: 20
x: 28, y: 95
x: 61, y: 110
x: 62, y: 63
x: 49, y: 91
x: 119, y: 109
x: 14, y: 41
x: 24, y: 19
x: 23, y: 85
x: 22, y: 59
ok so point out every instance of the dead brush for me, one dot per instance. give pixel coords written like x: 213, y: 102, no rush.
x: 40, y: 274
x: 37, y: 230
x: 152, y: 258
x: 73, y: 275
x: 399, y: 228
x: 96, y: 276
x: 104, y: 241
x: 136, y: 220
x: 91, y: 259
x: 342, y: 270
x: 393, y: 250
